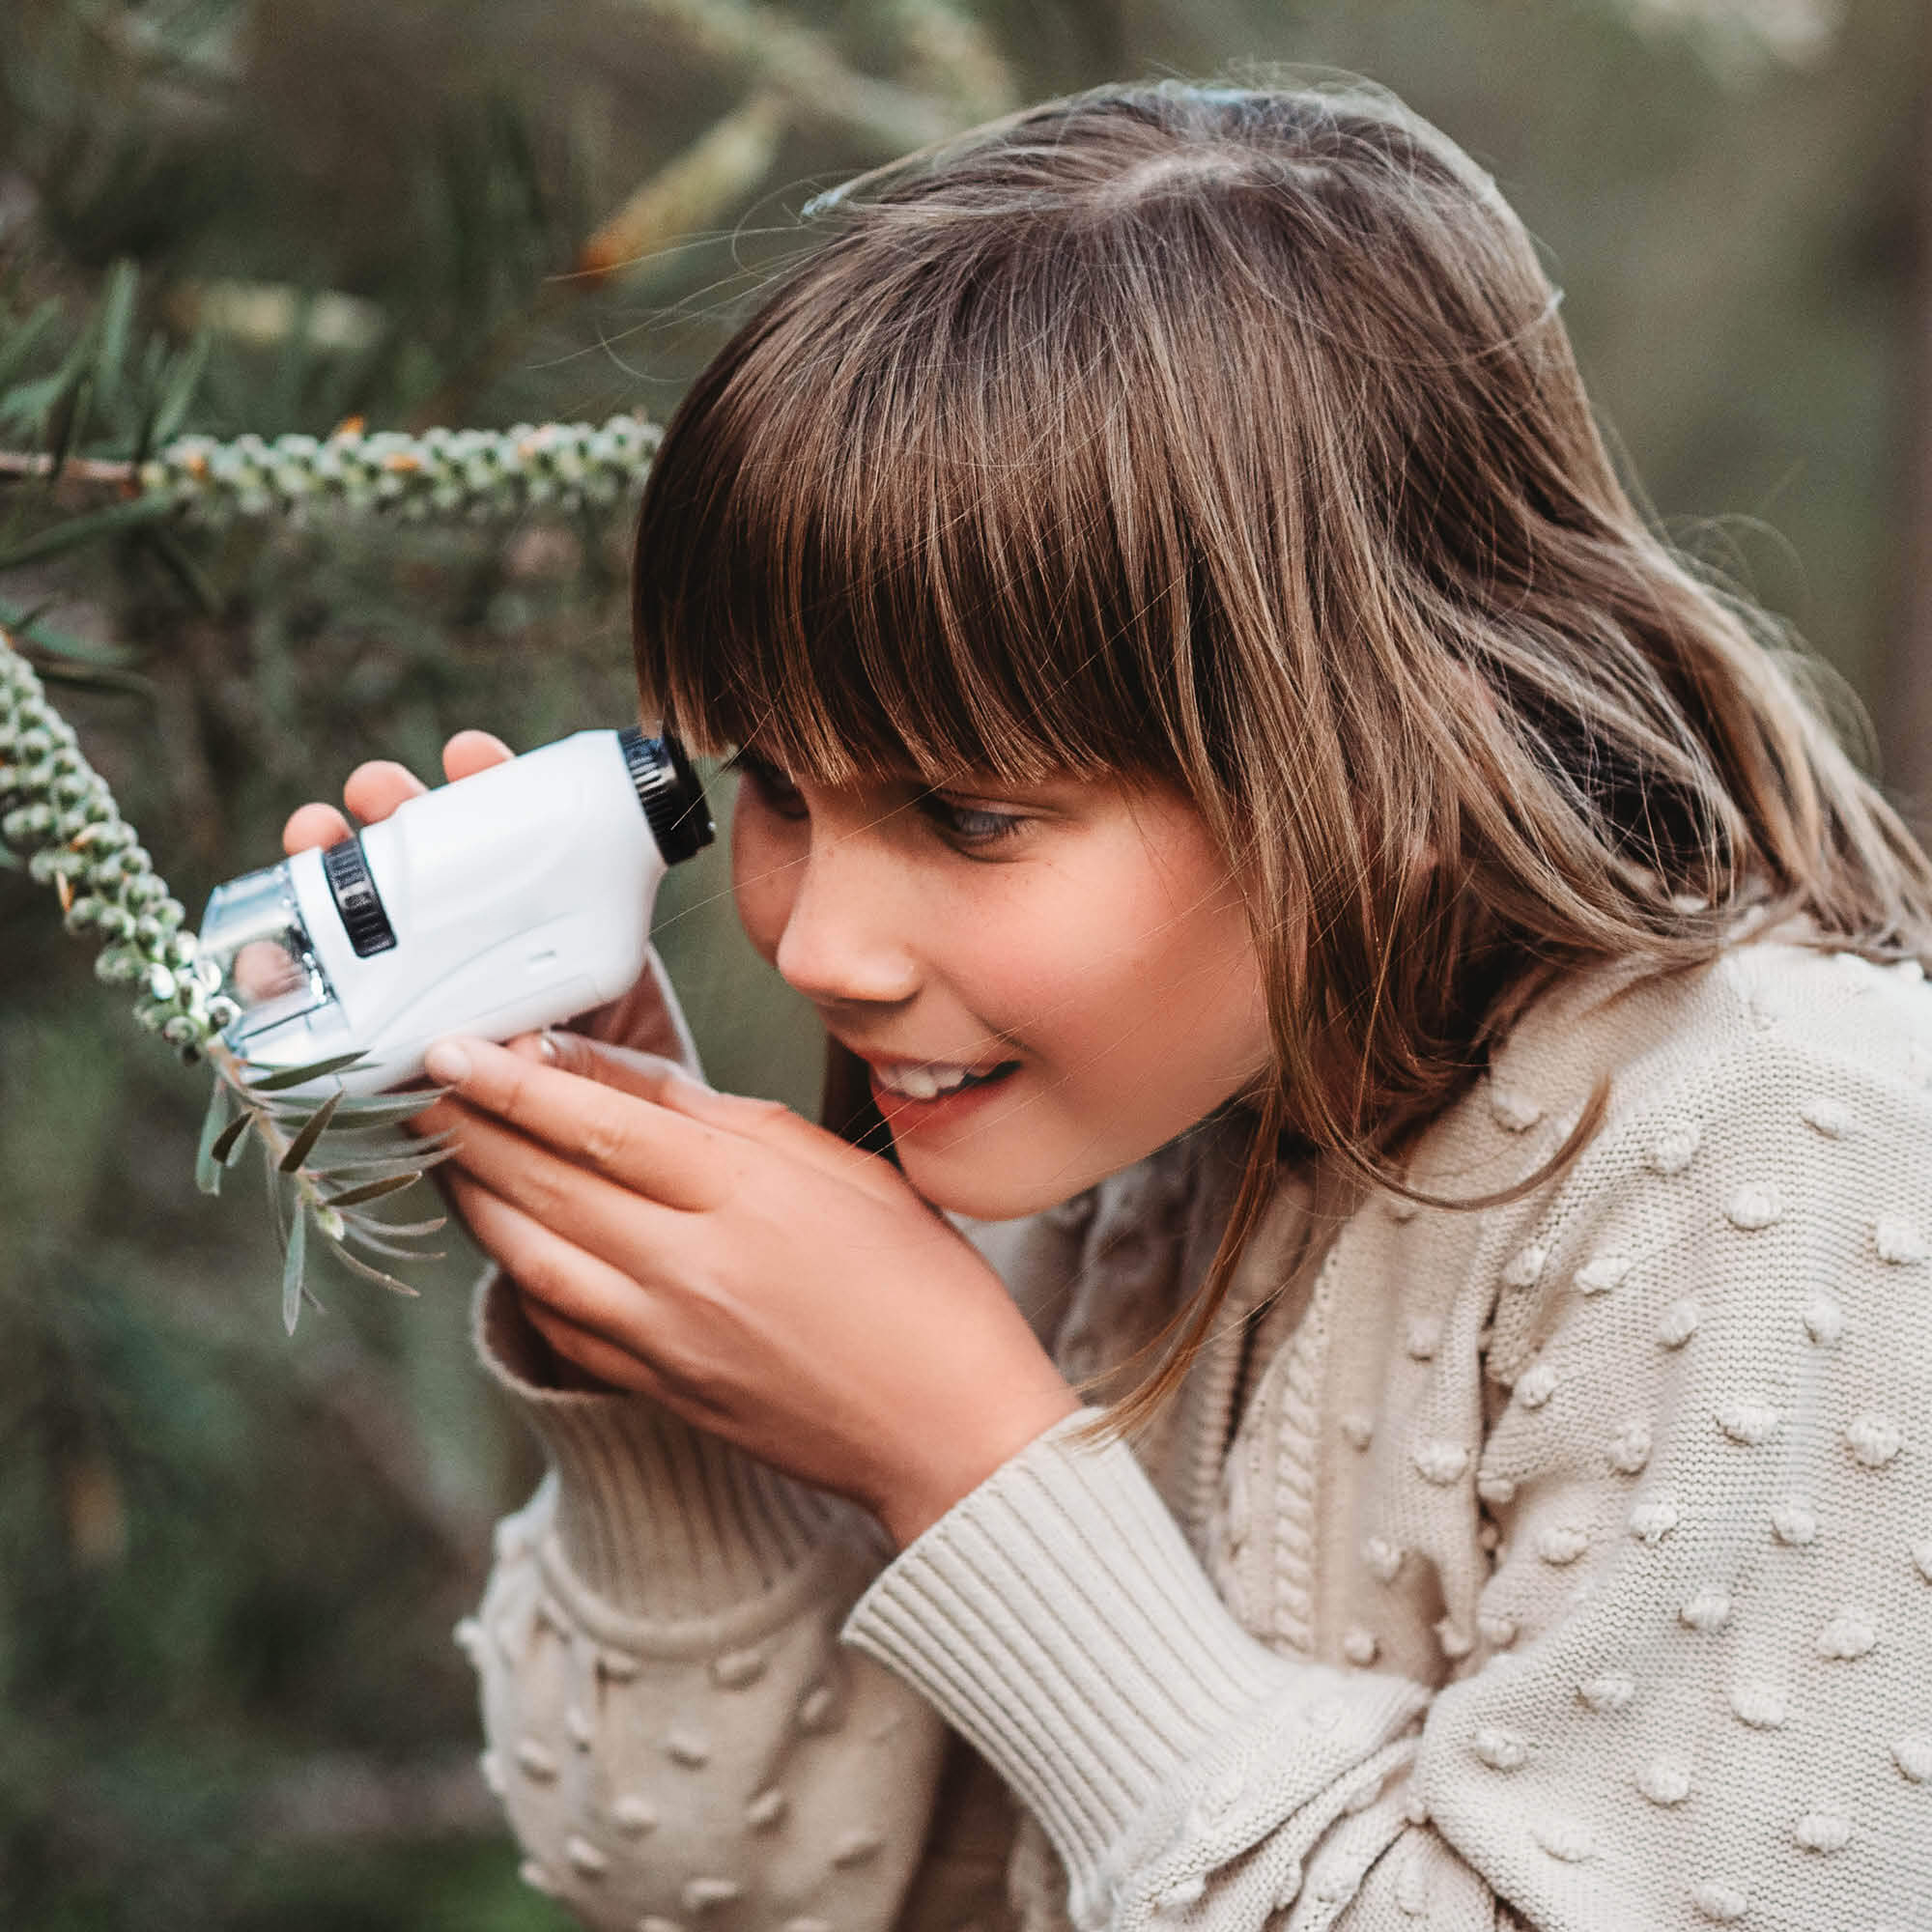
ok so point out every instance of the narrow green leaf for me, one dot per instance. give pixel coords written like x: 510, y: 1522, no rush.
x: 373, y: 1190
x: 178, y: 561
x: 353, y: 1173
x: 69, y: 415
x: 274, y: 1179
x: 206, y: 1163
x: 116, y: 321
x: 227, y: 1148
x: 28, y: 624
x: 369, y: 1240
x: 355, y: 1220
x: 183, y: 380
x: 311, y: 1133
x: 291, y: 1271
x: 294, y: 1076
x: 360, y: 1114
x: 84, y: 677
x: 374, y: 1274
x: 20, y: 345
x: 77, y: 531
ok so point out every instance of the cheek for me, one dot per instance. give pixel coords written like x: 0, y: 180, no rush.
x: 764, y: 878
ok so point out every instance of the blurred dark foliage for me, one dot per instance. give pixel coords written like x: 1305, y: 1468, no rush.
x: 229, y: 1565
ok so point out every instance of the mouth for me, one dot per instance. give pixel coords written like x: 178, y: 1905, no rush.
x: 911, y: 1091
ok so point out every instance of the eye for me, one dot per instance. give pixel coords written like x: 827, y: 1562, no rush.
x: 769, y: 785
x: 972, y: 826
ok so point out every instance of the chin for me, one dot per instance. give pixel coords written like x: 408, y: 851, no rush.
x: 993, y: 1194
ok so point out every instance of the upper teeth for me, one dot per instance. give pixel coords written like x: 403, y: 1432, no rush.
x: 922, y: 1083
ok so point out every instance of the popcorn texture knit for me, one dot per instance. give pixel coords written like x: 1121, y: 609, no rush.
x: 1565, y: 1564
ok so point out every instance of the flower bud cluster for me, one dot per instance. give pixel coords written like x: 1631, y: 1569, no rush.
x: 476, y: 473
x: 57, y: 812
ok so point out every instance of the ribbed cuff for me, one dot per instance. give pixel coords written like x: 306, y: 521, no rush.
x: 1057, y: 1619
x: 662, y: 1520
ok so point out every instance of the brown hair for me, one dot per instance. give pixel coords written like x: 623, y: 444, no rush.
x: 1228, y: 437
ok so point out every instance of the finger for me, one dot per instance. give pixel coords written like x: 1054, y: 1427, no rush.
x: 666, y: 1084
x: 584, y: 1309
x: 313, y: 824
x: 583, y: 1353
x: 472, y: 751
x: 373, y: 790
x: 619, y: 1135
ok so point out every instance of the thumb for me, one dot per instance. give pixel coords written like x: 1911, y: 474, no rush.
x: 649, y: 1076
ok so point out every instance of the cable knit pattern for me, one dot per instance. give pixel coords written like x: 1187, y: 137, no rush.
x: 1565, y: 1566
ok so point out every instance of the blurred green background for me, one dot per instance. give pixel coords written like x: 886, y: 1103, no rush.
x: 229, y: 1563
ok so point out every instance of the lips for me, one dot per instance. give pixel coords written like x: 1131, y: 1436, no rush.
x: 933, y: 1080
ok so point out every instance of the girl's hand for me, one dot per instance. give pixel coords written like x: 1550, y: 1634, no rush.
x: 760, y: 1277
x: 646, y: 1017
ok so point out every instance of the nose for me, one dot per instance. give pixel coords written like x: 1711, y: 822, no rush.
x: 845, y: 938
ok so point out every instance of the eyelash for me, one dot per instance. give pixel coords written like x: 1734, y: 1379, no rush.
x: 970, y: 827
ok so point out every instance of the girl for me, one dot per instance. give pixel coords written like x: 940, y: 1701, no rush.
x: 1391, y: 970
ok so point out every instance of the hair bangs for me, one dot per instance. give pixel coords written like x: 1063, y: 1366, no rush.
x: 881, y: 542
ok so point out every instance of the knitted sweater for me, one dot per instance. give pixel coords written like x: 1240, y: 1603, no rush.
x: 1564, y: 1565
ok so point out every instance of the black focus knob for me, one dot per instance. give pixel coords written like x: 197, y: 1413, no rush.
x: 668, y: 790
x: 364, y: 914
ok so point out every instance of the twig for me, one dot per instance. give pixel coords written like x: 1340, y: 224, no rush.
x: 764, y: 44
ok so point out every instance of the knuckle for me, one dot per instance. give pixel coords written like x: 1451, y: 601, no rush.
x: 605, y: 1144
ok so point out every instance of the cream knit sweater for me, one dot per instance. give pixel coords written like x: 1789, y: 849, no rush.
x: 1566, y: 1565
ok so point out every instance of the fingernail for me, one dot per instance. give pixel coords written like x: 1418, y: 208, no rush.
x: 546, y: 1045
x: 446, y: 1061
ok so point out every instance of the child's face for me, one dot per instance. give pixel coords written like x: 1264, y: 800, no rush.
x: 1080, y: 949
